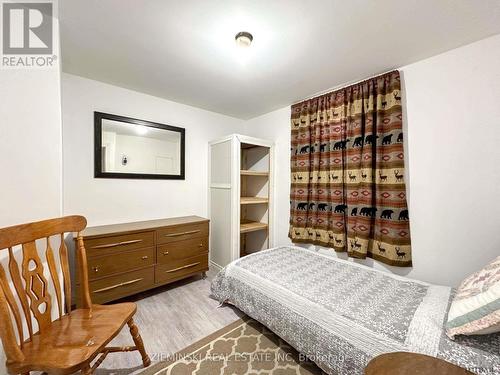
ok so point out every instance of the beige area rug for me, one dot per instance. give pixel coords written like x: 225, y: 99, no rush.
x: 243, y: 347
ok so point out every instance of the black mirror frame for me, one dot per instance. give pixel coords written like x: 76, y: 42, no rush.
x: 98, y: 173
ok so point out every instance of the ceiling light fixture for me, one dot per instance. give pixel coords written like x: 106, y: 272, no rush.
x: 243, y: 39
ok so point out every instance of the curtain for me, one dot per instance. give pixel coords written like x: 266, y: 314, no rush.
x: 347, y: 172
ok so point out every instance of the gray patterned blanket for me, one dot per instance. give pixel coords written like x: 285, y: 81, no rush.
x: 341, y: 314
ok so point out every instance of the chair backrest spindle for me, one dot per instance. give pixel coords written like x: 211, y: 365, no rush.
x: 12, y: 351
x: 18, y: 285
x: 9, y: 296
x: 49, y: 254
x: 63, y: 255
x: 36, y: 285
x: 84, y: 279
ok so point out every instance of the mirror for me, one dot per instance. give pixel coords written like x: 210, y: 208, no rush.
x: 130, y: 148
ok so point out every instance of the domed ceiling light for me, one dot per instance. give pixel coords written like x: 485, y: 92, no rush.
x: 243, y: 39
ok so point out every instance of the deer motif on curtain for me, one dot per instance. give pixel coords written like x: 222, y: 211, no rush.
x: 347, y: 164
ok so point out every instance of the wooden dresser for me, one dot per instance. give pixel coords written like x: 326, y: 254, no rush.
x: 125, y: 259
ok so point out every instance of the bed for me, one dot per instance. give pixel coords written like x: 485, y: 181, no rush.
x: 341, y: 314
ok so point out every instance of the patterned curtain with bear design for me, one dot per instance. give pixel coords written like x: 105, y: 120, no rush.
x: 347, y: 164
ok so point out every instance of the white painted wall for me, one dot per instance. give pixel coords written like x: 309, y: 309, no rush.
x: 30, y: 145
x: 30, y: 148
x: 105, y: 201
x: 452, y: 106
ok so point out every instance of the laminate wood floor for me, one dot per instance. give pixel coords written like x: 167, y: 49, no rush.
x: 169, y: 319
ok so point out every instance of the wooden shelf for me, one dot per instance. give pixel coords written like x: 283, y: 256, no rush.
x: 251, y: 226
x: 253, y: 200
x: 246, y: 172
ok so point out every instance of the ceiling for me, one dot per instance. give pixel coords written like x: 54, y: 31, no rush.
x: 185, y: 51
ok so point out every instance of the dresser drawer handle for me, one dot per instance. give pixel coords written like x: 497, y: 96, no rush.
x: 144, y: 257
x: 182, y: 233
x: 165, y: 253
x: 118, y: 285
x: 183, y: 267
x: 95, y: 269
x: 116, y: 244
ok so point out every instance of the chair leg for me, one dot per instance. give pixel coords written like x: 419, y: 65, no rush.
x: 86, y: 370
x: 134, y: 331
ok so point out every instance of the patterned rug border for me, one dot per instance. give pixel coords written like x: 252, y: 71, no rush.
x: 155, y: 368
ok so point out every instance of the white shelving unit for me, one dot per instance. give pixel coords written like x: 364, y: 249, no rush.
x: 241, y: 204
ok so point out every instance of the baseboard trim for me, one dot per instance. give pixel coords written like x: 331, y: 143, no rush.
x: 216, y: 266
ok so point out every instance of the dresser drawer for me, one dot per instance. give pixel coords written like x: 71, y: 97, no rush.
x: 178, y: 269
x: 178, y: 250
x: 119, y: 243
x: 125, y: 261
x: 115, y: 287
x: 182, y: 232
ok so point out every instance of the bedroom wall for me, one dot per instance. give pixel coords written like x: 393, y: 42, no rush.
x: 30, y: 150
x: 452, y: 153
x: 105, y: 201
x: 30, y: 147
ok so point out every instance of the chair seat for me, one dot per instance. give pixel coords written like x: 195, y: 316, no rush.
x: 76, y: 338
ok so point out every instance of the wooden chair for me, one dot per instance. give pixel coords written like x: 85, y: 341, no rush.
x: 74, y: 339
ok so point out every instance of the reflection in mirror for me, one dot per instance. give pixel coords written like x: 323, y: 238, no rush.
x: 135, y: 150
x: 129, y: 148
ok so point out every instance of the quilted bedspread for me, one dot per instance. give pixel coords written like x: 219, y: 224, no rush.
x: 341, y: 314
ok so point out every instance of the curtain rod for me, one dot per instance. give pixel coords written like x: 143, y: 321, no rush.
x: 342, y: 85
